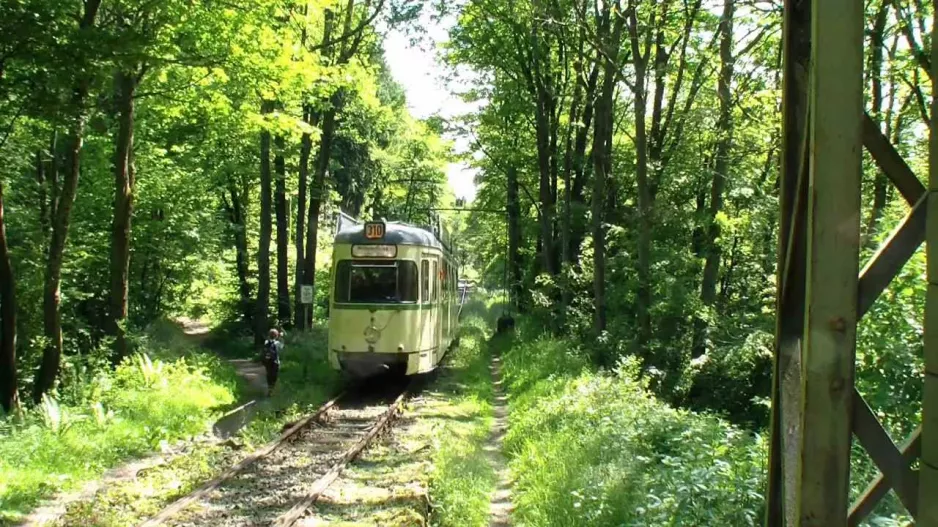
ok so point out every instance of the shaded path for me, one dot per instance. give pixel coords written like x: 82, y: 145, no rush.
x: 500, y: 505
x: 249, y: 370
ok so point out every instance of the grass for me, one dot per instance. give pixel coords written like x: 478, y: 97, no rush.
x: 305, y: 383
x: 462, y: 478
x: 169, y: 393
x: 595, y: 448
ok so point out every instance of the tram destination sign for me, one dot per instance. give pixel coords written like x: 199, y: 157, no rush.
x: 374, y: 230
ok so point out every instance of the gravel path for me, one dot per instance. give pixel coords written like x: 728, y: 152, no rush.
x: 274, y: 483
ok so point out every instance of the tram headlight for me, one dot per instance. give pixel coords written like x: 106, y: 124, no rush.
x: 372, y: 335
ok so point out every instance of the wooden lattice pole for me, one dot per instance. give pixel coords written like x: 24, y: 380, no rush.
x: 928, y: 469
x: 832, y: 260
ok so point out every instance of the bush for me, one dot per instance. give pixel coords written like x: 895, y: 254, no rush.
x: 130, y: 411
x: 594, y: 448
x: 735, y: 381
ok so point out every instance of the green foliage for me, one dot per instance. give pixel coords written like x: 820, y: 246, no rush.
x: 151, y: 399
x: 594, y: 448
x: 462, y: 477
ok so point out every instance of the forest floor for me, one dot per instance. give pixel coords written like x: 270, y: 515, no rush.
x: 440, y: 464
x: 198, y: 332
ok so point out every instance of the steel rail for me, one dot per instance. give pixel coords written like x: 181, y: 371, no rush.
x: 212, y: 484
x: 322, y: 483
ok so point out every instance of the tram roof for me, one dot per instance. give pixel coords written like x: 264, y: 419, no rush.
x: 396, y: 233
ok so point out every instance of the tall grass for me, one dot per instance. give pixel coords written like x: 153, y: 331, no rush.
x: 462, y: 479
x: 593, y: 448
x: 162, y: 395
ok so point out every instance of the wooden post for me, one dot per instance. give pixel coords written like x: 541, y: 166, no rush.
x: 928, y: 471
x: 785, y: 426
x: 833, y: 231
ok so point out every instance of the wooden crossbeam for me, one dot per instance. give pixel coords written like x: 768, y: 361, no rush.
x: 889, y: 259
x: 881, y: 486
x: 891, y: 162
x: 888, y: 458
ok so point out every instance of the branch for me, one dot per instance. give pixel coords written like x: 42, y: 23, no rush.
x: 922, y: 105
x: 905, y: 23
x: 505, y: 171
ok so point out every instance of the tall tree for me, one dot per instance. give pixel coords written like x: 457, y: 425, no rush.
x: 283, y: 235
x: 610, y: 29
x: 126, y: 87
x: 338, y: 52
x: 9, y: 396
x: 262, y: 307
x: 640, y: 51
x: 724, y: 143
x: 234, y: 198
x: 52, y: 354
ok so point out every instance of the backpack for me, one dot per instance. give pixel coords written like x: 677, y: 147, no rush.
x: 270, y: 355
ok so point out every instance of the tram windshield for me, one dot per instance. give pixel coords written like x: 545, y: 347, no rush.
x: 376, y: 281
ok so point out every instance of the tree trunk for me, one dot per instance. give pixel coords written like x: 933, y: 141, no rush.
x: 317, y: 188
x: 306, y: 147
x: 283, y: 236
x: 580, y: 162
x: 721, y: 172
x: 602, y: 163
x: 237, y: 217
x: 317, y: 194
x: 513, y: 208
x: 9, y: 397
x: 640, y: 64
x: 261, y: 313
x: 41, y: 188
x: 880, y: 182
x: 52, y: 323
x: 567, y: 220
x: 123, y: 212
x: 544, y: 105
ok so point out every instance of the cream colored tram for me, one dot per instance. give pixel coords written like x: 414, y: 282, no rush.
x: 393, y: 305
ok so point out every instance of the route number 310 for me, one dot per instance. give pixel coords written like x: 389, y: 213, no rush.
x: 374, y: 230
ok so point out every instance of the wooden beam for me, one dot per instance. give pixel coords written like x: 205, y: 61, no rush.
x: 891, y: 162
x: 829, y: 349
x: 889, y: 259
x: 928, y: 473
x: 884, y: 453
x: 785, y: 424
x: 879, y: 487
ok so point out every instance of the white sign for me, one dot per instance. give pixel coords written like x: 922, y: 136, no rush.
x: 306, y: 294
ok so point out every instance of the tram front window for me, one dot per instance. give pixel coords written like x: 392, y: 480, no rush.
x: 376, y: 282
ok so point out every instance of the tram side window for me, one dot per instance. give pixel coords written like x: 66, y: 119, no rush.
x: 425, y: 281
x: 376, y: 282
x: 433, y: 281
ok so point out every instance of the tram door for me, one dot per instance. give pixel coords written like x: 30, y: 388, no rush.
x: 437, y: 317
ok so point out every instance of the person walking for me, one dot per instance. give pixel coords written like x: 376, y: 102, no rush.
x: 270, y: 357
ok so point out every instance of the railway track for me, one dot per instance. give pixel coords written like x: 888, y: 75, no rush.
x: 277, y: 484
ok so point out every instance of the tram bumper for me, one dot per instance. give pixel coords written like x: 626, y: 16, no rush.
x: 368, y: 363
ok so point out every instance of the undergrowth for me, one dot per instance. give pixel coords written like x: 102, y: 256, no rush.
x: 597, y: 448
x: 168, y: 391
x: 305, y: 383
x: 462, y: 479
